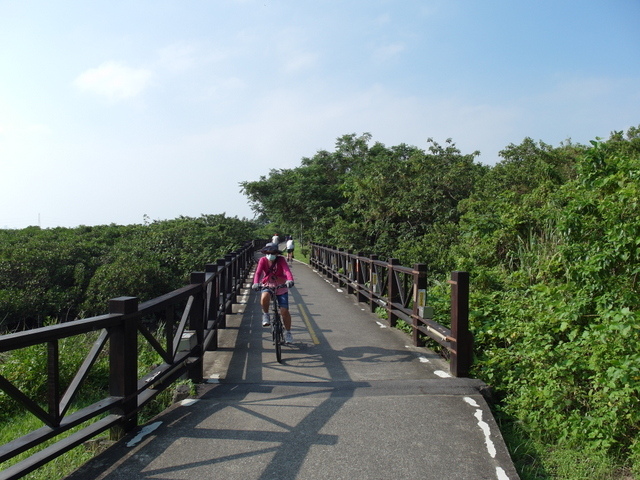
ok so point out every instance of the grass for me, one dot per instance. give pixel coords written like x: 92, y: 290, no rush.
x: 535, y: 460
x: 301, y: 254
x: 65, y: 464
x: 24, y: 368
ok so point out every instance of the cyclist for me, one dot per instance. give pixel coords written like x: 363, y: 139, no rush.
x: 273, y: 270
x: 290, y: 248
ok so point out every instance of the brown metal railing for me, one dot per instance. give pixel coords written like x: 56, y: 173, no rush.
x: 201, y: 306
x: 402, y: 292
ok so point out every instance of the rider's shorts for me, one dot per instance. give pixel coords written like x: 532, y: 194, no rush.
x: 283, y: 300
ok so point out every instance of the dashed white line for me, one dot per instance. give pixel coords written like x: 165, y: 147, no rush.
x: 484, y: 426
x: 502, y: 475
x: 147, y: 430
x: 471, y: 402
x: 486, y: 430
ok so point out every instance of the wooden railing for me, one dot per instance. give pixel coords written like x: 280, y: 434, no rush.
x: 402, y: 292
x: 191, y: 316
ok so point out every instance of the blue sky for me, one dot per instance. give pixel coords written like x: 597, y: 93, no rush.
x: 110, y: 111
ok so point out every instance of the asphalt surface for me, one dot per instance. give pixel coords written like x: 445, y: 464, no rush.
x: 353, y: 399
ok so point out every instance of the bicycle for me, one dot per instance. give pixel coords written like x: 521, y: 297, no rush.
x: 277, y: 328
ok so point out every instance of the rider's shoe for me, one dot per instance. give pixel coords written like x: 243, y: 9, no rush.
x: 266, y: 321
x: 288, y: 338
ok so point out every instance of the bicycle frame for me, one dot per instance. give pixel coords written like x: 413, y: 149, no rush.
x: 277, y: 328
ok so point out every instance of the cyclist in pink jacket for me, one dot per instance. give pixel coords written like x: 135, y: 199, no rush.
x: 273, y: 270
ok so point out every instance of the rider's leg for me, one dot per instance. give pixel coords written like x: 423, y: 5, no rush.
x: 286, y: 318
x: 265, y: 301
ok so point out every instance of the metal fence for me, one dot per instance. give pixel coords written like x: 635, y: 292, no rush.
x: 402, y: 293
x: 191, y: 316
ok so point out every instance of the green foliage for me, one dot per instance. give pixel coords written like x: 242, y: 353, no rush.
x: 381, y: 313
x: 66, y: 273
x: 299, y: 201
x: 551, y: 237
x: 393, y: 201
x: 556, y: 305
x: 26, y: 369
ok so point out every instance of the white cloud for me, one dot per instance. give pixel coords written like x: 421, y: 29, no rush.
x: 301, y: 61
x: 114, y: 80
x: 388, y: 51
x: 383, y: 19
x: 177, y: 57
x: 182, y: 56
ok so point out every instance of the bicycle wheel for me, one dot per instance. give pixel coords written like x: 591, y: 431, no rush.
x: 278, y: 343
x: 278, y: 334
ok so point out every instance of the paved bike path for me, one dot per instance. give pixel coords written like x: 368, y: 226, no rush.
x: 352, y: 399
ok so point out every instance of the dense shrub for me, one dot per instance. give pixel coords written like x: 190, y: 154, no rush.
x: 550, y: 236
x: 557, y: 325
x: 60, y: 274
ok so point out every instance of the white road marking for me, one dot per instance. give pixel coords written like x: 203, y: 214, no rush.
x: 486, y: 430
x: 147, y: 430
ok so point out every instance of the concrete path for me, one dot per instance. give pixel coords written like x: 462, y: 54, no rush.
x: 352, y: 399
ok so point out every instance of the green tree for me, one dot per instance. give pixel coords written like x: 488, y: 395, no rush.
x: 554, y: 335
x: 307, y: 198
x: 59, y: 274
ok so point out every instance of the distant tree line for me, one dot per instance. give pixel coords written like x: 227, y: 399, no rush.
x: 551, y: 238
x: 59, y: 274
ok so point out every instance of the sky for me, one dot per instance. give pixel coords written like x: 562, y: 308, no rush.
x: 129, y: 111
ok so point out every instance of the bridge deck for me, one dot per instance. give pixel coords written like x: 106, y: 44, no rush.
x: 352, y: 400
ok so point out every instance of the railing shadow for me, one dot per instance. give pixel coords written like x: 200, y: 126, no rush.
x: 270, y: 417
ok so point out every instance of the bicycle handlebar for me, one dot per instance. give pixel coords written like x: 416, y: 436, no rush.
x: 271, y: 287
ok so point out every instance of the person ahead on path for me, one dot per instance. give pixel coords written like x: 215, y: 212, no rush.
x: 290, y: 248
x: 273, y: 270
x: 275, y: 239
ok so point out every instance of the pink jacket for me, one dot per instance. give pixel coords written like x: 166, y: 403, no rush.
x: 273, y: 273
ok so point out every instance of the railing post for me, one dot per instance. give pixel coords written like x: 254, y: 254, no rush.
x: 419, y: 299
x: 228, y: 284
x: 373, y: 283
x: 213, y: 304
x: 393, y: 291
x: 196, y: 323
x: 351, y: 272
x: 325, y: 260
x: 329, y: 264
x: 214, y: 295
x: 123, y: 364
x: 230, y: 290
x: 237, y: 276
x: 321, y: 256
x: 222, y: 289
x: 53, y: 380
x: 312, y: 254
x: 462, y: 354
x: 360, y: 278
